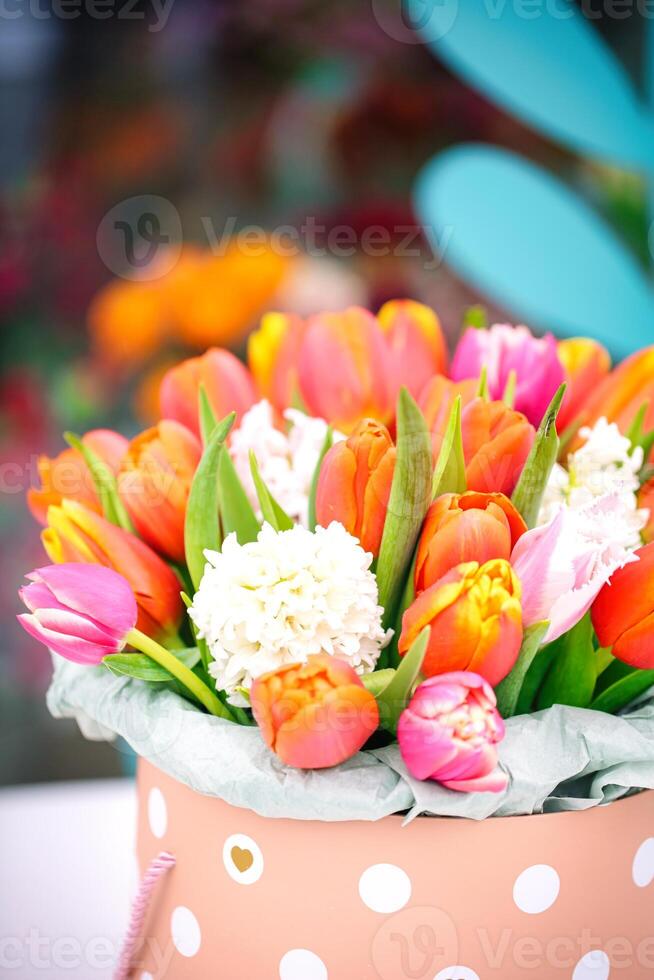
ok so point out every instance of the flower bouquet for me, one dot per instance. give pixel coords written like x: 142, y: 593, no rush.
x: 355, y: 581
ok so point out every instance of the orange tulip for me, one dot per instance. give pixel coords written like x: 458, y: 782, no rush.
x: 622, y: 393
x: 68, y: 475
x: 314, y: 715
x: 355, y: 483
x: 646, y: 500
x: 436, y: 402
x: 462, y: 528
x: 415, y: 339
x: 496, y: 443
x: 623, y: 613
x: 273, y: 352
x: 77, y: 534
x: 475, y: 617
x: 155, y: 481
x: 345, y: 368
x: 227, y: 382
x: 586, y: 363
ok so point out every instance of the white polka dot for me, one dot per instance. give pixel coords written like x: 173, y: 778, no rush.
x: 147, y: 976
x: 643, y: 867
x: 157, y: 812
x: 185, y: 930
x: 302, y: 964
x: 243, y: 859
x: 385, y: 888
x: 593, y: 966
x: 457, y: 973
x: 536, y: 889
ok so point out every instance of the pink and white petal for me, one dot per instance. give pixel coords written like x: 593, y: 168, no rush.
x: 94, y: 590
x: 76, y: 625
x: 424, y: 745
x: 495, y: 782
x: 72, y: 648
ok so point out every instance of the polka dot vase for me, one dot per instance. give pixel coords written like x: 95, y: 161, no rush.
x: 565, y: 896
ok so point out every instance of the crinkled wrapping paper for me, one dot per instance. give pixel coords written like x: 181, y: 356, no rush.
x: 558, y: 759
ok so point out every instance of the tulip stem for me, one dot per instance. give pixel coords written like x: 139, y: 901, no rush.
x: 180, y: 671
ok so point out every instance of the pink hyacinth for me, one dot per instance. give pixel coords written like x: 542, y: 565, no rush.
x: 504, y: 349
x: 449, y: 731
x: 82, y: 612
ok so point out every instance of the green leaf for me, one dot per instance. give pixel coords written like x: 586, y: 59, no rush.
x: 199, y: 642
x: 475, y: 316
x: 571, y: 678
x: 202, y: 526
x: 105, y: 483
x: 620, y: 694
x: 236, y: 511
x: 637, y: 435
x: 536, y: 674
x: 450, y: 472
x: 206, y: 415
x: 528, y: 494
x: 482, y: 390
x: 272, y: 512
x: 144, y: 668
x: 615, y: 672
x: 509, y: 391
x: 326, y: 446
x: 508, y: 690
x: 408, y: 502
x: 378, y: 680
x: 393, y: 699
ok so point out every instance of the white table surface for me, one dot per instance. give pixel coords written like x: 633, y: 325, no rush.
x: 67, y: 875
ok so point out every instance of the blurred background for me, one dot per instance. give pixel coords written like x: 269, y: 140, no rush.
x: 170, y: 170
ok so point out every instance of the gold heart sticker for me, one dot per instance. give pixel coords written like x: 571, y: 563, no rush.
x: 243, y: 859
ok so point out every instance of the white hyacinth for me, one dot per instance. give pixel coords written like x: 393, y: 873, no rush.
x: 604, y: 465
x: 283, y: 597
x: 286, y: 461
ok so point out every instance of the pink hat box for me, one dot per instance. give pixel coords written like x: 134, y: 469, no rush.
x: 567, y: 896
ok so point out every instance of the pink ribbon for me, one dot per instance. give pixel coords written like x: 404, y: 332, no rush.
x: 158, y: 867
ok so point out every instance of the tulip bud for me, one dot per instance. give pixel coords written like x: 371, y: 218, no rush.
x: 465, y: 527
x: 504, y: 349
x: 436, y: 402
x: 316, y: 714
x: 273, y: 352
x: 77, y: 534
x: 226, y: 381
x: 68, y: 475
x: 475, y: 618
x: 496, y: 443
x: 355, y: 483
x: 81, y: 612
x: 415, y: 340
x: 586, y: 363
x: 345, y: 369
x: 449, y: 731
x: 623, y: 613
x: 155, y: 481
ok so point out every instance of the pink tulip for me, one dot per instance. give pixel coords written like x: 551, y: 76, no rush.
x: 449, y: 732
x: 82, y: 612
x: 504, y: 349
x: 563, y: 565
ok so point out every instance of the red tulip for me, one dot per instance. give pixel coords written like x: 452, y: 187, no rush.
x: 314, y: 715
x: 155, y: 482
x: 462, y: 528
x: 67, y: 475
x: 355, y: 483
x: 623, y: 613
x: 620, y: 395
x: 436, y: 400
x: 227, y: 382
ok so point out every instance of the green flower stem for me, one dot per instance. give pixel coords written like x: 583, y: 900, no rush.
x: 180, y: 671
